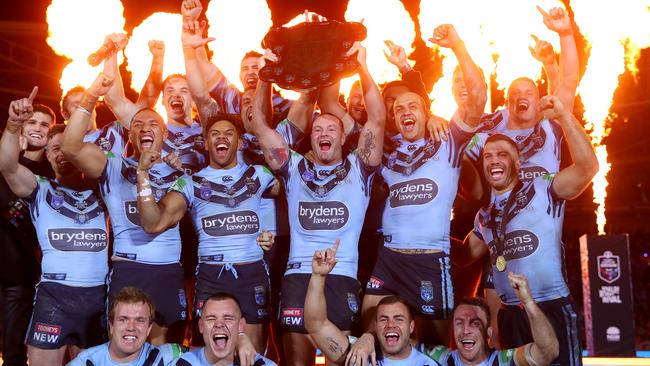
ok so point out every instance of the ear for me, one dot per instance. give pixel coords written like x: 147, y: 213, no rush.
x: 242, y: 324
x: 489, y: 332
x: 411, y: 326
x: 240, y: 143
x: 149, y: 329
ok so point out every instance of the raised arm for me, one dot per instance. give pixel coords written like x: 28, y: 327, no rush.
x: 328, y: 337
x: 471, y: 111
x: 410, y: 77
x: 156, y: 217
x: 153, y: 85
x: 301, y: 111
x: 544, y: 347
x: 20, y: 179
x: 371, y: 139
x: 558, y: 21
x: 276, y: 151
x: 544, y: 53
x: 574, y: 179
x: 86, y: 156
x: 117, y: 102
x: 328, y: 102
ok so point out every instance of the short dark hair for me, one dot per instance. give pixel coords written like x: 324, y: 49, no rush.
x: 173, y: 76
x: 235, y: 119
x: 251, y: 54
x: 223, y: 296
x: 55, y: 130
x: 476, y: 301
x: 151, y: 110
x: 65, y: 101
x: 393, y: 299
x: 131, y: 295
x: 45, y: 110
x: 394, y: 83
x: 501, y: 137
x: 336, y: 118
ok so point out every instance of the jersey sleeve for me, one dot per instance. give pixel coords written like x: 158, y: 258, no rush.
x: 227, y: 96
x: 289, y: 132
x: 544, y: 183
x: 170, y: 353
x: 184, y: 186
x: 474, y: 147
x: 366, y: 173
x: 440, y: 354
x: 477, y: 226
x: 281, y: 107
x: 460, y: 136
x: 288, y: 167
x: 507, y: 357
x: 111, y: 172
x: 33, y: 197
x: 267, y: 179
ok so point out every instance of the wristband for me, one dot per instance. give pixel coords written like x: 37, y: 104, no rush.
x: 83, y: 110
x: 146, y: 192
x: 88, y: 101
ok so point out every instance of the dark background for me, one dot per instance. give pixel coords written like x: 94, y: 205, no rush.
x: 26, y: 60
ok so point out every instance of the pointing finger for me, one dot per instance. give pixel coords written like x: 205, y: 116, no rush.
x: 32, y: 95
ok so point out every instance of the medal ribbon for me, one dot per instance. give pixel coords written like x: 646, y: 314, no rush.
x: 306, y: 164
x: 499, y: 234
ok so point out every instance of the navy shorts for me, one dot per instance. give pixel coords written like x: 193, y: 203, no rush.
x: 423, y: 280
x: 514, y: 328
x: 66, y: 315
x: 164, y: 283
x: 341, y: 293
x: 248, y: 283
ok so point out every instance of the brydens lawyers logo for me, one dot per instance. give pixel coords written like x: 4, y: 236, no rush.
x: 327, y: 215
x: 609, y: 267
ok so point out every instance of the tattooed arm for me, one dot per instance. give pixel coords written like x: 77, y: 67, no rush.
x: 371, y: 139
x: 276, y: 151
x: 328, y: 337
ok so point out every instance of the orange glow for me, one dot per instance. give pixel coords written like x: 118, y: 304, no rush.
x: 74, y: 33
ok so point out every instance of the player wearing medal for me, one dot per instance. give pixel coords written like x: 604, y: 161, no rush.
x: 327, y: 199
x: 521, y: 229
x: 422, y: 178
x: 139, y: 259
x: 70, y: 223
x: 471, y: 332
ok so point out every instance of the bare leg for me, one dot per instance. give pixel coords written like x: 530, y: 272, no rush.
x: 298, y: 349
x: 257, y: 334
x: 45, y: 357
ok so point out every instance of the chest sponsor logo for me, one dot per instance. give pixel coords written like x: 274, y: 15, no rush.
x: 78, y: 240
x: 328, y: 215
x: 414, y: 192
x: 529, y: 173
x: 519, y: 244
x: 46, y: 333
x: 131, y: 212
x: 291, y: 316
x: 231, y: 223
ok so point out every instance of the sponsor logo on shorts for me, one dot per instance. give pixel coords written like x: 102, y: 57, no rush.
x: 78, y: 240
x: 291, y: 317
x: 260, y: 295
x: 132, y: 213
x: 529, y: 173
x: 182, y: 300
x: 46, y: 333
x: 426, y: 290
x: 328, y: 215
x: 231, y: 223
x: 519, y: 244
x: 413, y: 192
x: 427, y: 309
x: 353, y: 303
x: 375, y: 283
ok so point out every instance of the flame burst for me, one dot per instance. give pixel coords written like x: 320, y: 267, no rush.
x: 75, y: 33
x: 613, y: 49
x: 490, y: 39
x: 238, y: 27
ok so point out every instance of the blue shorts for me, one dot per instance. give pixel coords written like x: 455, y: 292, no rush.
x: 422, y: 280
x: 164, y: 283
x: 341, y: 293
x: 66, y: 315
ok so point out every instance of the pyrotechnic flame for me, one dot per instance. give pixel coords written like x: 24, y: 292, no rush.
x: 239, y: 27
x: 76, y: 28
x: 608, y: 59
x: 384, y: 20
x: 497, y: 42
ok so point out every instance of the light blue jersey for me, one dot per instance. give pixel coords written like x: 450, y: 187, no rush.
x: 72, y: 233
x: 197, y: 358
x: 540, y: 146
x: 444, y: 356
x: 273, y: 211
x: 533, y: 240
x: 416, y: 358
x: 325, y: 203
x: 163, y: 355
x: 118, y: 184
x: 112, y: 137
x: 422, y: 178
x: 188, y: 144
x: 224, y: 204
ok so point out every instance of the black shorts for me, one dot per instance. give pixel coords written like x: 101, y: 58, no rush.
x: 423, y: 280
x: 341, y: 293
x: 164, y: 283
x: 248, y: 283
x: 514, y: 328
x: 66, y: 315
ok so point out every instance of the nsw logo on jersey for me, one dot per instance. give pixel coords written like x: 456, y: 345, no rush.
x: 231, y: 223
x: 526, y: 174
x: 78, y: 240
x: 328, y: 215
x: 519, y: 244
x: 413, y: 192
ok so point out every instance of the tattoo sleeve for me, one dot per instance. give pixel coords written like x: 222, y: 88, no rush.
x: 368, y: 145
x: 280, y: 155
x: 334, y: 347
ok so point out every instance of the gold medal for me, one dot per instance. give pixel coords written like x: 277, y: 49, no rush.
x: 501, y: 263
